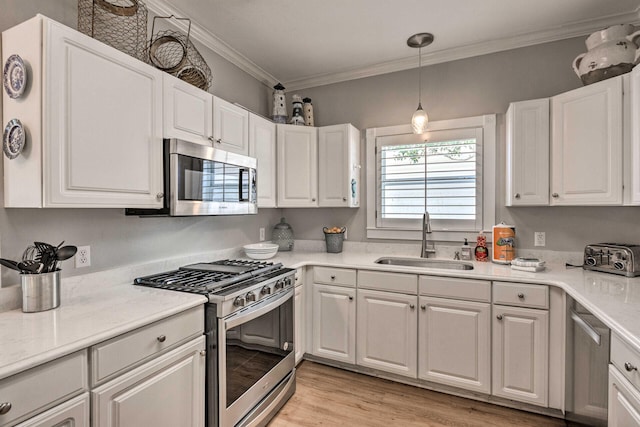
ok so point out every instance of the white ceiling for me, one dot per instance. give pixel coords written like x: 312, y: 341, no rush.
x: 306, y: 43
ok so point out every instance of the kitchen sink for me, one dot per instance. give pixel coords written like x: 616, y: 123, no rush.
x: 425, y: 263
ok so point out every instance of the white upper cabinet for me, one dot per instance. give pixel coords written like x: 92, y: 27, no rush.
x: 632, y: 140
x: 528, y: 153
x: 339, y: 166
x: 262, y: 146
x: 188, y: 111
x: 94, y: 123
x: 230, y: 126
x: 587, y: 143
x: 297, y: 166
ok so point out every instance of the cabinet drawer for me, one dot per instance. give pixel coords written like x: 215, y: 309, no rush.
x: 471, y: 290
x: 43, y: 387
x: 335, y: 276
x: 126, y: 351
x: 392, y: 282
x: 534, y: 296
x: 626, y: 359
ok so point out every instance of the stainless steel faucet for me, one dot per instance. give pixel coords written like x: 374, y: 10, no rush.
x: 426, y: 229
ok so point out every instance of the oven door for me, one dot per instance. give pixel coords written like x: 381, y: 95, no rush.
x: 256, y: 354
x: 208, y: 181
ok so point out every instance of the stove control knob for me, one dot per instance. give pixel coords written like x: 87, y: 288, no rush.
x: 590, y: 261
x: 266, y: 290
x: 279, y: 284
x: 239, y: 301
x: 288, y: 281
x: 250, y: 297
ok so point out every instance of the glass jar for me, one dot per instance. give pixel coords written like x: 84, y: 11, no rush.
x: 283, y: 236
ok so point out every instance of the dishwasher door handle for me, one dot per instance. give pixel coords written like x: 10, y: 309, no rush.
x: 586, y: 327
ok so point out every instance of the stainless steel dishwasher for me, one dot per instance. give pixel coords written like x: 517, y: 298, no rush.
x: 587, y: 360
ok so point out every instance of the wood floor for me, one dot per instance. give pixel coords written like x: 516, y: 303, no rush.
x: 327, y: 396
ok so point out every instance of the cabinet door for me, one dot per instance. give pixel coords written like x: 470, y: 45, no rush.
x: 188, y: 111
x: 230, y: 126
x: 624, y: 401
x: 528, y: 153
x: 73, y: 413
x: 586, y: 141
x: 334, y: 323
x: 166, y: 392
x: 632, y: 159
x: 299, y: 324
x: 387, y: 327
x: 520, y: 354
x: 262, y: 146
x: 102, y: 118
x: 454, y: 343
x: 338, y: 166
x: 297, y: 166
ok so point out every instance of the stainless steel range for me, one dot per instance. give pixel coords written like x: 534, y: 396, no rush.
x: 249, y: 334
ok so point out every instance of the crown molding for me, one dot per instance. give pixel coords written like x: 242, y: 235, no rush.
x: 476, y: 49
x: 212, y: 42
x: 217, y: 45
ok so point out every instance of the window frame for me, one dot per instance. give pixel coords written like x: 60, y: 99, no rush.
x: 487, y: 124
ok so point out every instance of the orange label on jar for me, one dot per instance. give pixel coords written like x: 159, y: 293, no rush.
x: 503, y: 244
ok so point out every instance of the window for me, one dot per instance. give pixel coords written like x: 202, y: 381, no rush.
x: 448, y: 171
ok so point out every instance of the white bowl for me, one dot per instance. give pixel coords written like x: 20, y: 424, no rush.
x: 261, y: 250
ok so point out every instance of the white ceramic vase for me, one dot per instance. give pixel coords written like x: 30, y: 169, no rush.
x: 611, y: 52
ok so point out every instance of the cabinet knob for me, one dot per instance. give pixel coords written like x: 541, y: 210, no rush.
x: 344, y: 199
x: 162, y: 338
x: 159, y: 196
x: 333, y: 277
x: 412, y: 306
x: 219, y: 140
x: 423, y: 307
x: 629, y: 367
x: 211, y: 138
x: 203, y: 353
x: 521, y: 295
x: 555, y: 195
x: 517, y: 196
x: 313, y: 199
x: 499, y: 317
x: 350, y: 298
x: 5, y: 408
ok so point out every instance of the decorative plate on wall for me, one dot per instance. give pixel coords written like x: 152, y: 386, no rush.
x: 14, y: 76
x: 13, y: 139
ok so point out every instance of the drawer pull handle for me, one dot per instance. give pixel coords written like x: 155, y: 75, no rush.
x: 629, y: 367
x: 521, y: 295
x: 350, y: 298
x: 555, y: 195
x: 5, y: 408
x: 499, y: 317
x: 333, y: 277
x: 162, y: 338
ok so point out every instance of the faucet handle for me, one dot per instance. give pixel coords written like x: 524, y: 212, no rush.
x: 456, y: 255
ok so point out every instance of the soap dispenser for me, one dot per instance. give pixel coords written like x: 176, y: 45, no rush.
x: 465, y: 252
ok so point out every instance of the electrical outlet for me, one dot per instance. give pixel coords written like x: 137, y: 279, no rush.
x: 83, y: 256
x: 539, y: 238
x: 262, y: 234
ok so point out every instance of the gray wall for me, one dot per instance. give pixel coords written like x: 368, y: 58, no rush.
x: 117, y: 240
x: 470, y: 87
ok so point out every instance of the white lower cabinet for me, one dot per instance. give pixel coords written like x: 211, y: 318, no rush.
x: 165, y: 392
x: 334, y: 323
x: 454, y: 343
x: 521, y: 354
x: 299, y: 323
x: 73, y: 413
x: 624, y: 401
x: 387, y: 325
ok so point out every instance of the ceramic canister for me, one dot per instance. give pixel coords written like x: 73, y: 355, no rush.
x: 503, y: 243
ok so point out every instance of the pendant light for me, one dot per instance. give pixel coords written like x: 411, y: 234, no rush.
x: 420, y: 118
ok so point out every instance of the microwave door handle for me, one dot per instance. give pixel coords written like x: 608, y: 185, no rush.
x: 242, y: 172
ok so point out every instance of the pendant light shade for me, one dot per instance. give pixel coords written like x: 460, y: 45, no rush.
x: 420, y: 118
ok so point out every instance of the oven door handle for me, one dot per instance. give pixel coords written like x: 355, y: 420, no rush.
x: 586, y: 327
x: 257, y: 310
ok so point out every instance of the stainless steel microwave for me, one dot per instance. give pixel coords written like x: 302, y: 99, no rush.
x: 202, y: 180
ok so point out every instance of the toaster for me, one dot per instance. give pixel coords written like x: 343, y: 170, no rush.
x: 616, y: 258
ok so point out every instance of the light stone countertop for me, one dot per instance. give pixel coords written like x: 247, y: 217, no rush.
x: 100, y: 306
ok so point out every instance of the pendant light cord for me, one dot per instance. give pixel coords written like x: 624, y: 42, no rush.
x: 420, y: 76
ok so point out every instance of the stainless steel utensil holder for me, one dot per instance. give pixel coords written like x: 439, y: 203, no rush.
x: 40, y: 292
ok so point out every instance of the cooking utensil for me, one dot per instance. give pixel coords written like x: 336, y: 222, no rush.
x: 9, y: 264
x: 66, y: 252
x: 30, y: 267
